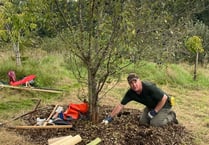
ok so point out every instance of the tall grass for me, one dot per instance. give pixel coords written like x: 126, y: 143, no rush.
x: 51, y: 69
x: 170, y: 74
x: 53, y: 72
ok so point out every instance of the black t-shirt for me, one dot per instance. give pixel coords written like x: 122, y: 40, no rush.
x: 150, y: 96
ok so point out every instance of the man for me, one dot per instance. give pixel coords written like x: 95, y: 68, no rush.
x: 158, y: 104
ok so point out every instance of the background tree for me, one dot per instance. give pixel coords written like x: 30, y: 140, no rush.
x: 160, y: 30
x: 16, y: 23
x: 194, y: 44
x: 198, y: 28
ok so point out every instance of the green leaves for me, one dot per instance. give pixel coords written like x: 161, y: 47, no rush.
x: 194, y: 44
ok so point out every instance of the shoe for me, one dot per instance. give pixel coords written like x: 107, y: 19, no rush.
x: 59, y: 121
x: 174, y: 120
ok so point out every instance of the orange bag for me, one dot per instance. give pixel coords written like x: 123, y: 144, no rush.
x: 74, y: 110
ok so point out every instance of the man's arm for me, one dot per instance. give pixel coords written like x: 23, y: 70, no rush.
x: 116, y: 110
x: 161, y: 103
x: 158, y: 107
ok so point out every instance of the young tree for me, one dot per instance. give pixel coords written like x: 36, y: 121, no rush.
x: 198, y: 28
x: 97, y: 30
x: 194, y: 44
x: 16, y: 23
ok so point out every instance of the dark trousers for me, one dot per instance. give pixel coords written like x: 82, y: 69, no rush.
x: 164, y: 116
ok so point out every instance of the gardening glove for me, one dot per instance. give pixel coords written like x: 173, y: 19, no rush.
x: 152, y: 114
x: 107, y: 120
x: 40, y: 121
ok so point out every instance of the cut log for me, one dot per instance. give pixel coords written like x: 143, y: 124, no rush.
x: 41, y: 127
x: 95, y: 141
x: 69, y: 140
x: 53, y: 140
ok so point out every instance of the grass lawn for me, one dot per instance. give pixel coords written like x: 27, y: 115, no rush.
x: 191, y: 104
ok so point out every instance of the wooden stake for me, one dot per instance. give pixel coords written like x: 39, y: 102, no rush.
x: 41, y: 127
x: 31, y: 89
x: 95, y: 141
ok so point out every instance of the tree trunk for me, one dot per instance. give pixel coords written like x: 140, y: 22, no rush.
x: 93, y: 107
x: 205, y: 60
x: 195, y: 67
x: 17, y: 53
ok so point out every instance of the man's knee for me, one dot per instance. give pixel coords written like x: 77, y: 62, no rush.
x: 144, y: 118
x: 143, y: 121
x: 158, y: 123
x: 164, y: 119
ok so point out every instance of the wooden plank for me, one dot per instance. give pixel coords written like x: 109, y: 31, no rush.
x: 31, y: 89
x: 41, y: 127
x: 53, y: 140
x: 69, y: 140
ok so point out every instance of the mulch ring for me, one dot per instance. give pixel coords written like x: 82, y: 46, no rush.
x: 124, y: 130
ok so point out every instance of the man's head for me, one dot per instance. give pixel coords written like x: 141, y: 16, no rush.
x: 134, y: 82
x: 132, y: 77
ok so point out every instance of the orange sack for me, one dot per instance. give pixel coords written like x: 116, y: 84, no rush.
x: 74, y: 110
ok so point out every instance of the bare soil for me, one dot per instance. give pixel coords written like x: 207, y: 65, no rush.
x: 124, y: 130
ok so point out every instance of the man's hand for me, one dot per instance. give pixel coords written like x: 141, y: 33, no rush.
x: 107, y: 120
x: 152, y: 114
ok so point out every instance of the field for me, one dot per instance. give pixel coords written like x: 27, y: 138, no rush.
x: 191, y: 106
x: 191, y: 109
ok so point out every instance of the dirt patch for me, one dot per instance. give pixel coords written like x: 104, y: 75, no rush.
x: 125, y: 129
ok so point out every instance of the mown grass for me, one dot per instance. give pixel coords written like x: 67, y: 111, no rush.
x: 52, y: 72
x: 191, y: 107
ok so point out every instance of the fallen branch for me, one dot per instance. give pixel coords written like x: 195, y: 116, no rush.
x: 30, y: 112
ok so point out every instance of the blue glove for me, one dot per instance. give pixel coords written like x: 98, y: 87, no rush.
x: 107, y: 120
x: 152, y: 114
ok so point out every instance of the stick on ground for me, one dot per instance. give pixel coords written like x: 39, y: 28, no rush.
x: 50, y: 116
